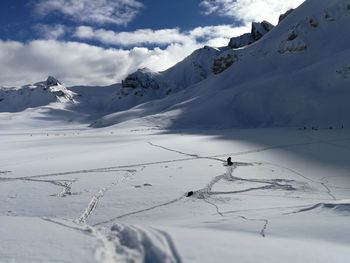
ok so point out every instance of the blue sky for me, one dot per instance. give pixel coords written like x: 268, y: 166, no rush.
x: 21, y: 21
x: 101, y: 41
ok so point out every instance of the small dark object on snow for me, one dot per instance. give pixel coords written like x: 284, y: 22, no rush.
x: 229, y: 162
x: 190, y: 193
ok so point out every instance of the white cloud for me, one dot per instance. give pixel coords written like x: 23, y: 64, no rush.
x: 119, y: 12
x: 217, y: 35
x: 51, y: 31
x: 77, y: 63
x: 141, y: 36
x: 249, y: 11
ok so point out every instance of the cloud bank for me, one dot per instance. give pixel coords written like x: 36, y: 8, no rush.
x: 77, y: 63
x: 215, y: 34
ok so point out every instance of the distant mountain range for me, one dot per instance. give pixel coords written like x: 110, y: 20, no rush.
x: 296, y: 73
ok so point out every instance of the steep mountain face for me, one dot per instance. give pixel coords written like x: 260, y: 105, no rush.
x: 34, y: 95
x: 145, y: 85
x: 141, y: 81
x: 297, y: 74
x: 191, y: 70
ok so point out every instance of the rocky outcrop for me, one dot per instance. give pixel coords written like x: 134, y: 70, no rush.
x: 260, y: 29
x: 224, y: 62
x: 283, y: 16
x: 241, y: 41
x: 51, y: 81
x: 295, y: 38
x: 257, y: 32
x: 142, y: 78
x: 139, y: 82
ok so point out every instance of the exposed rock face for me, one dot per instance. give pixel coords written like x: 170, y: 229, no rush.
x: 258, y: 31
x: 51, y: 81
x: 241, y: 41
x: 142, y: 78
x: 283, y: 16
x: 139, y: 82
x: 295, y: 38
x: 224, y: 62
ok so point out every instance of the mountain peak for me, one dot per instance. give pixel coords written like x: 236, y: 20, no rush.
x: 51, y: 81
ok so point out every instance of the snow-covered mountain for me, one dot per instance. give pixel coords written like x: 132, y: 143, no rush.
x: 294, y: 74
x: 297, y: 74
x: 193, y: 69
x: 34, y: 95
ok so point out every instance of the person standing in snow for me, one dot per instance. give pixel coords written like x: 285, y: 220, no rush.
x: 229, y: 168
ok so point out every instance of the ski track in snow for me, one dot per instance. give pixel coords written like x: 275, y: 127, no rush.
x: 91, y: 206
x: 190, y: 157
x: 321, y: 182
x: 95, y: 170
x: 270, y: 184
x: 140, y: 211
x: 113, y: 246
x: 207, y: 191
x: 82, y: 219
x: 329, y: 191
x: 263, y: 229
x: 107, y: 251
x: 65, y: 184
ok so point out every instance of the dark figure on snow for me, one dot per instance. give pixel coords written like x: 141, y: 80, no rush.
x: 229, y: 162
x: 190, y: 193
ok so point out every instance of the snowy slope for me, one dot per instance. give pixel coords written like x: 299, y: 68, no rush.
x: 296, y: 74
x: 145, y: 85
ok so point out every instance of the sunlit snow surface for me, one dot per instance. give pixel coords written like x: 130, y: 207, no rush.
x: 70, y: 193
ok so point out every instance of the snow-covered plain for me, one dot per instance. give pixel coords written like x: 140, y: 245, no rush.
x: 70, y: 193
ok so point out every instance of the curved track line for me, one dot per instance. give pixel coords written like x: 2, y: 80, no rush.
x: 139, y: 211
